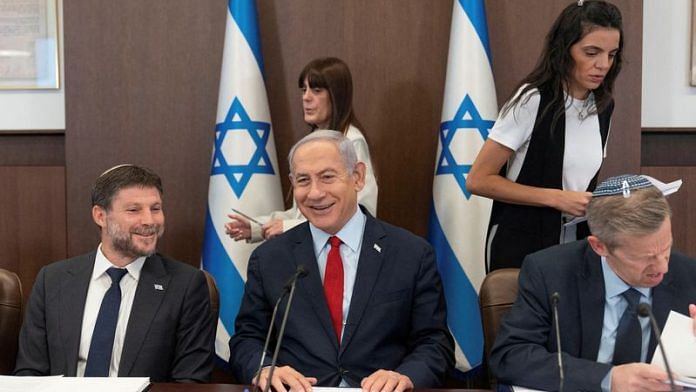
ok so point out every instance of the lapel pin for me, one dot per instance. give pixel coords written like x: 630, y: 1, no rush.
x: 159, y: 287
x: 377, y: 248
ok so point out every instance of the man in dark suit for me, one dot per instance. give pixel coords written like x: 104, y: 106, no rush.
x: 627, y: 260
x: 384, y: 328
x: 123, y: 310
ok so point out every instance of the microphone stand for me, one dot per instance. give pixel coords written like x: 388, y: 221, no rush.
x: 645, y: 310
x: 301, y: 272
x: 280, y: 333
x: 268, y: 340
x: 555, y: 297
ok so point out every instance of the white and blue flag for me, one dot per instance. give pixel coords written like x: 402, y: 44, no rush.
x: 458, y: 220
x: 244, y: 169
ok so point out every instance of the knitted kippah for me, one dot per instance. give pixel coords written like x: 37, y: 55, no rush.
x: 621, y: 185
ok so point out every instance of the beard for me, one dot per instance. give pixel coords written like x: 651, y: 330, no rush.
x: 122, y: 240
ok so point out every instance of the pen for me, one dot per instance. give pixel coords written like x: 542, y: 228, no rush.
x: 247, y: 216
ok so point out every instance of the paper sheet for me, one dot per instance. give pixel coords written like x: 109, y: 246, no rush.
x: 71, y: 384
x: 680, y: 346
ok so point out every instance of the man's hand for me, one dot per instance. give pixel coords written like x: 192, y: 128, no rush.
x: 285, y: 375
x: 639, y: 377
x: 272, y: 228
x: 692, y: 313
x: 238, y: 228
x: 386, y: 381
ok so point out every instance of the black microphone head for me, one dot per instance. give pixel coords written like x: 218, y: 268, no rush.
x: 301, y: 271
x: 644, y: 309
x: 555, y: 297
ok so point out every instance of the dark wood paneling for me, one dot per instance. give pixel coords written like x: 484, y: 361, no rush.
x: 516, y: 44
x: 141, y: 87
x: 668, y: 147
x: 32, y: 149
x: 669, y: 130
x: 683, y: 204
x: 32, y: 228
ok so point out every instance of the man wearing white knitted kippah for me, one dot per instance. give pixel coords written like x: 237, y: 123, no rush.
x: 628, y: 260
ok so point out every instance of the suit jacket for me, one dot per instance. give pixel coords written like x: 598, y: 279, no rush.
x: 396, y: 320
x: 524, y: 352
x: 170, y: 333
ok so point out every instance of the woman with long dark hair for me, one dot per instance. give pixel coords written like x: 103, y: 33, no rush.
x: 542, y: 157
x: 327, y: 103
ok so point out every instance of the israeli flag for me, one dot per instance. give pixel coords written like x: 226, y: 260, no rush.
x: 458, y: 220
x: 244, y: 170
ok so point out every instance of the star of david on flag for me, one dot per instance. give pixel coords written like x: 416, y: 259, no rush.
x: 459, y: 220
x: 244, y: 167
x: 237, y: 120
x: 467, y: 118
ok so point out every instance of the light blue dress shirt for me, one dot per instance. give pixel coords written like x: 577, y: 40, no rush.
x: 614, y: 307
x: 351, y: 235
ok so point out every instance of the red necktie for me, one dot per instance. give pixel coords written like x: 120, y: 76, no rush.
x: 333, y: 285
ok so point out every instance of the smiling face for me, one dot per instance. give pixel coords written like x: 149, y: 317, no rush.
x: 316, y: 105
x: 593, y: 57
x: 639, y: 260
x: 325, y: 192
x: 131, y: 226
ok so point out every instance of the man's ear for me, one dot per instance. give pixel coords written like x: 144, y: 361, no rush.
x: 598, y: 246
x: 359, y: 176
x: 99, y: 216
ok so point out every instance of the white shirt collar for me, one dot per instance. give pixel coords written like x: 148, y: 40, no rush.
x: 350, y: 234
x: 101, y: 264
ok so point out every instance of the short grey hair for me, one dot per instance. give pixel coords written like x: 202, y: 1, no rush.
x: 345, y: 147
x: 611, y: 217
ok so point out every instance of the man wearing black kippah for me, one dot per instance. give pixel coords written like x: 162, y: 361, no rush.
x: 627, y: 260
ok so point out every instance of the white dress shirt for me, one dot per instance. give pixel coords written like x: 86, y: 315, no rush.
x: 98, y: 285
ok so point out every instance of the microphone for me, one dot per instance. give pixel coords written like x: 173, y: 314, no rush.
x: 645, y: 310
x: 289, y: 286
x: 555, y: 297
x: 300, y: 272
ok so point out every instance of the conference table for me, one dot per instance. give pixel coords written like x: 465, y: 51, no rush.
x: 160, y: 387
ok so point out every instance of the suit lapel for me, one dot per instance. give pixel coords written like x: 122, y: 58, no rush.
x: 369, y: 265
x: 591, y: 295
x: 146, y: 303
x: 73, y: 294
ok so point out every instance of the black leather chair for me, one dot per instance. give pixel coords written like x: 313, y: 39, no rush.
x: 10, y: 319
x: 214, y: 296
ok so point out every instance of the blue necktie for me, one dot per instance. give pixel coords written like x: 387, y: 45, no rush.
x: 629, y: 337
x: 99, y: 357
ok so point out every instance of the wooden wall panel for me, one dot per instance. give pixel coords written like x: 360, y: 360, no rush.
x: 32, y: 149
x: 32, y: 228
x: 141, y: 87
x: 683, y: 204
x: 668, y: 147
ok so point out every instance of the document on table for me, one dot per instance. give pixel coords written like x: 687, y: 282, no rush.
x: 71, y: 384
x: 680, y: 347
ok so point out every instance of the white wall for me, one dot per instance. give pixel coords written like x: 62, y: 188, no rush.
x: 668, y: 100
x: 36, y: 109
